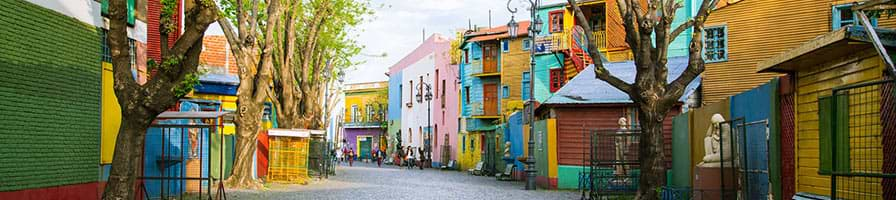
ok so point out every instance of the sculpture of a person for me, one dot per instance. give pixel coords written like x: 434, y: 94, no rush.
x: 717, y: 144
x: 622, y: 143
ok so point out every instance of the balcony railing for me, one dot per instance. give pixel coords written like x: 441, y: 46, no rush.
x: 564, y: 40
x: 367, y: 124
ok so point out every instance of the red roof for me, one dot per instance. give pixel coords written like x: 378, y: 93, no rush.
x: 499, y: 32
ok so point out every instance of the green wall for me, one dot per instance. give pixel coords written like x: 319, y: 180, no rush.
x: 50, y: 98
x: 568, y: 176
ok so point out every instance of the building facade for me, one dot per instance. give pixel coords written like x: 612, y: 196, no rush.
x: 364, y: 125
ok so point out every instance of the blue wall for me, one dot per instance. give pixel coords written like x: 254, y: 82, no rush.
x: 394, y: 96
x: 513, y: 132
x: 753, y: 106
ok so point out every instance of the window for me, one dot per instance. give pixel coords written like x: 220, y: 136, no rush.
x: 369, y: 113
x: 556, y: 21
x: 463, y: 144
x: 557, y: 79
x: 443, y: 93
x: 107, y: 52
x: 715, y: 44
x: 525, y: 86
x: 411, y: 97
x: 410, y: 136
x: 833, y: 131
x: 437, y: 84
x: 467, y: 94
x: 467, y: 56
x: 354, y: 114
x: 132, y: 53
x: 505, y: 45
x: 842, y: 15
x: 527, y: 44
x: 505, y: 92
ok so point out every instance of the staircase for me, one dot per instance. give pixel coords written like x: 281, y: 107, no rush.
x: 577, y: 57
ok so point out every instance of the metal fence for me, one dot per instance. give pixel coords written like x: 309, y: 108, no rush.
x: 614, y: 165
x: 858, y: 140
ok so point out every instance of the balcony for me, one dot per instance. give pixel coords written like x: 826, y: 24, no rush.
x: 564, y: 40
x: 366, y: 124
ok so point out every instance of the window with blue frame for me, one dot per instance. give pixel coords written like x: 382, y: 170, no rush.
x: 524, y: 86
x: 505, y: 92
x: 715, y: 44
x: 842, y: 15
x: 505, y: 45
x: 527, y: 44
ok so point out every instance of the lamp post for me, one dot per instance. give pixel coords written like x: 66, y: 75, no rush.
x: 428, y: 142
x: 534, y: 29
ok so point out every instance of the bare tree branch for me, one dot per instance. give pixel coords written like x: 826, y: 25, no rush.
x: 681, y: 28
x: 695, y: 52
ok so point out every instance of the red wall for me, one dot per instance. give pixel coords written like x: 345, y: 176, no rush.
x: 79, y: 191
x: 261, y: 154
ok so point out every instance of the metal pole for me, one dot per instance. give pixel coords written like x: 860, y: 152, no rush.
x: 530, y: 160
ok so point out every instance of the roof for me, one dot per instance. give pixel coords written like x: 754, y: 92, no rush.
x: 495, y: 33
x: 586, y: 88
x: 190, y: 115
x: 226, y: 79
x: 293, y: 132
x: 835, y: 44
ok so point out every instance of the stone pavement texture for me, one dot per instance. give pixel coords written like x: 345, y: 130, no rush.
x: 367, y: 181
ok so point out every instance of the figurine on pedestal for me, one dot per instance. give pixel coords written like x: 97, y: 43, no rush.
x: 713, y: 180
x: 717, y: 144
x: 622, y: 143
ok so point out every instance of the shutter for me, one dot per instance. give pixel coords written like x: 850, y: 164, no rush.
x: 131, y: 12
x: 104, y: 7
x: 833, y: 133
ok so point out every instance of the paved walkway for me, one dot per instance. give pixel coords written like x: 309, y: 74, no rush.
x: 367, y: 181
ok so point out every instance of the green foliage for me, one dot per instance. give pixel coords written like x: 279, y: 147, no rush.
x: 169, y: 7
x: 171, y: 62
x: 186, y: 86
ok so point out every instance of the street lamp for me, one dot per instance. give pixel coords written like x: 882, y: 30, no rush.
x: 428, y: 142
x: 534, y: 29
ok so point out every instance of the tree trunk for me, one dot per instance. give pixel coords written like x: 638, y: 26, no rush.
x: 651, y: 154
x: 127, y: 158
x: 245, y: 149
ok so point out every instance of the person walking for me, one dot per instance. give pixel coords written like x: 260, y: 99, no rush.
x: 411, y: 159
x: 422, y: 159
x: 378, y: 158
x: 351, y: 157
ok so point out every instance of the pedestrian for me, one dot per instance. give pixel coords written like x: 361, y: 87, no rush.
x: 423, y: 157
x: 379, y: 157
x: 411, y: 161
x: 351, y: 157
x: 399, y: 156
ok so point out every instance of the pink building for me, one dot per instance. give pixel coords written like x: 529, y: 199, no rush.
x: 409, y: 125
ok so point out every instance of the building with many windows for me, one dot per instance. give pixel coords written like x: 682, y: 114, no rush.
x: 365, y: 112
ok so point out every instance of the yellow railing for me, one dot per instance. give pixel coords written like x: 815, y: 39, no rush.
x: 600, y: 39
x: 563, y: 40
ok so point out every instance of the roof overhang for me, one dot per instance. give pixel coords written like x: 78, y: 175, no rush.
x: 839, y: 43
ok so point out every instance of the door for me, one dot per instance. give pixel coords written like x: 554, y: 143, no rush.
x: 490, y: 99
x: 489, y: 58
x: 364, y: 147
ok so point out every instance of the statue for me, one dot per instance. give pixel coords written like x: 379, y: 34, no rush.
x: 717, y: 144
x: 622, y: 143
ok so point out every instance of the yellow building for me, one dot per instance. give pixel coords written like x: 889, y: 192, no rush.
x: 840, y: 127
x: 364, y: 118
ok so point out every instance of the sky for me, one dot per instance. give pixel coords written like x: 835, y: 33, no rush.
x: 397, y: 27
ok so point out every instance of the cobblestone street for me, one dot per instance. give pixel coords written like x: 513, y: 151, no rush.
x: 366, y: 181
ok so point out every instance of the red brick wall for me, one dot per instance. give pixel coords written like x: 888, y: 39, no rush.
x: 216, y: 53
x: 153, y: 38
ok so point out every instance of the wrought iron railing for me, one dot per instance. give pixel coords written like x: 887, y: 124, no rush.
x: 564, y: 40
x: 862, y: 135
x: 365, y: 124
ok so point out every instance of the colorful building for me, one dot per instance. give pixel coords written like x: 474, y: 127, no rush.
x: 492, y: 71
x: 839, y: 113
x: 586, y: 104
x: 414, y: 121
x: 365, y: 109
